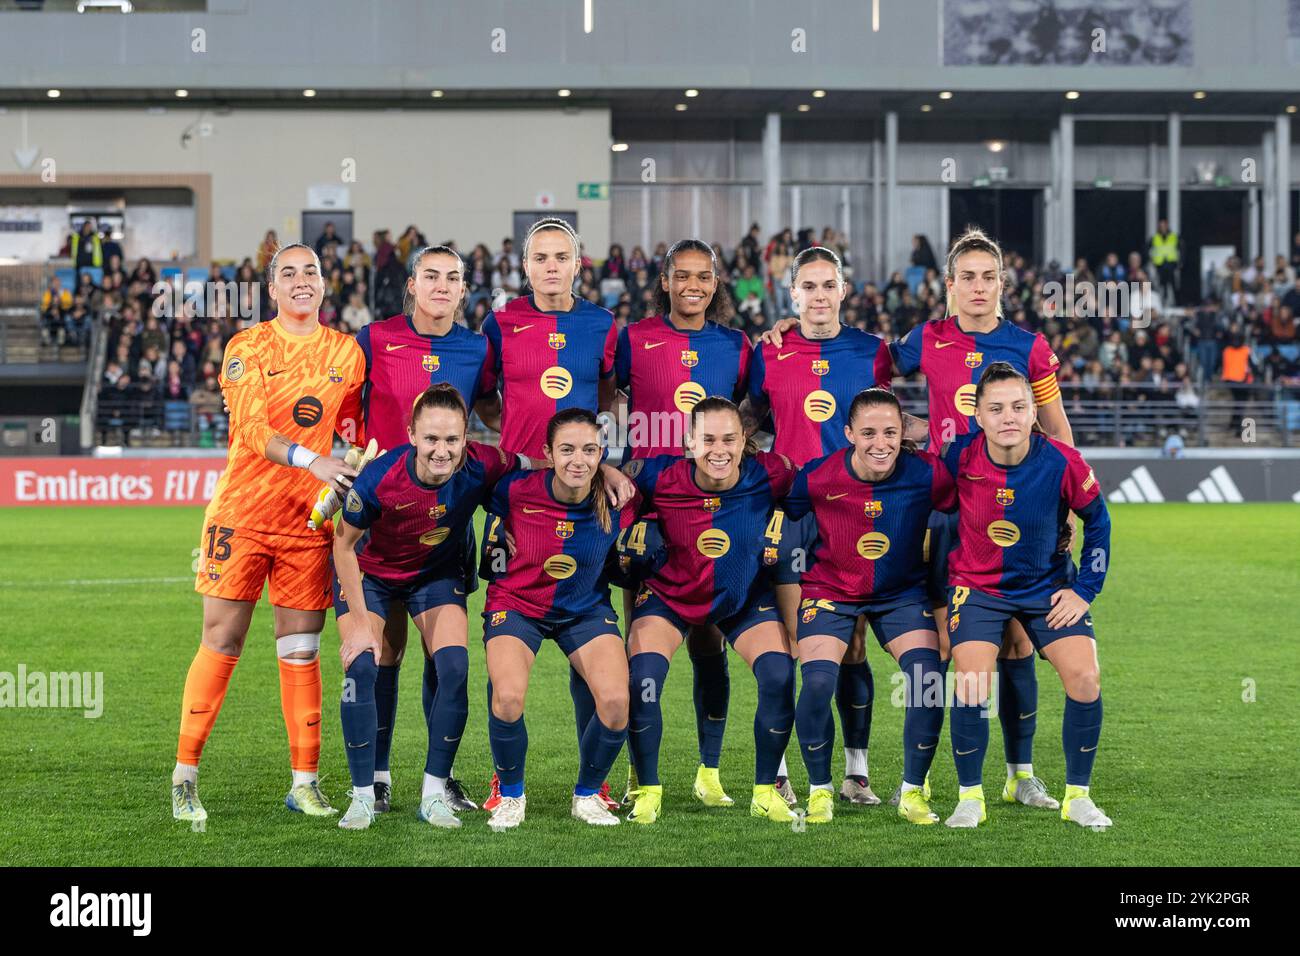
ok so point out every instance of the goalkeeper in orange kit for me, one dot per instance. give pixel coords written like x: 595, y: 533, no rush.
x: 290, y: 383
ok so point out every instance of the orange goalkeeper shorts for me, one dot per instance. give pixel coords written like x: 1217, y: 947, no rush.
x: 235, y: 564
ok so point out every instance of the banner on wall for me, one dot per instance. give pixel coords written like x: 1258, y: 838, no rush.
x: 108, y: 481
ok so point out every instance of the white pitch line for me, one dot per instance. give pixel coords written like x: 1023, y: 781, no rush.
x: 83, y: 582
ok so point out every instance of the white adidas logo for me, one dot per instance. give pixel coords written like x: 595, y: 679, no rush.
x: 1218, y: 487
x: 1138, y: 488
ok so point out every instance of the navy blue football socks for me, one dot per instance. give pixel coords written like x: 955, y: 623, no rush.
x: 811, y: 718
x: 646, y: 675
x: 450, y: 710
x: 357, y: 713
x: 923, y: 718
x: 969, y: 728
x: 584, y: 705
x: 712, y: 693
x: 1080, y: 733
x: 385, y: 712
x: 774, y: 716
x: 599, y: 746
x: 1018, y: 708
x: 509, y: 742
x: 853, y: 698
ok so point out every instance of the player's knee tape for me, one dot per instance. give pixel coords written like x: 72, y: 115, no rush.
x: 298, y: 648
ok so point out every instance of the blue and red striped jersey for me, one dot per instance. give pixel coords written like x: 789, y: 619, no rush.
x: 544, y: 362
x: 401, y: 363
x: 952, y: 361
x: 810, y: 383
x: 714, y: 539
x: 871, y: 535
x: 559, y: 567
x: 666, y: 370
x: 418, y: 530
x: 1011, y: 520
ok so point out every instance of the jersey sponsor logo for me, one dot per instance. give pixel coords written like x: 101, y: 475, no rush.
x: 690, y: 358
x: 873, y: 545
x: 874, y: 508
x: 307, y: 411
x: 782, y: 356
x: 560, y: 566
x: 687, y: 396
x: 353, y: 502
x: 437, y: 511
x: 564, y: 529
x: 821, y: 366
x: 435, y: 537
x: 652, y: 345
x: 769, y: 556
x: 943, y: 345
x: 390, y: 347
x: 964, y: 399
x: 1005, y: 496
x: 520, y: 328
x: 842, y: 494
x: 234, y: 369
x: 1003, y: 533
x: 974, y: 359
x: 712, y: 504
x: 556, y: 340
x: 713, y: 543
x: 819, y: 405
x: 556, y: 382
x: 430, y: 363
x: 335, y: 375
x: 498, y: 617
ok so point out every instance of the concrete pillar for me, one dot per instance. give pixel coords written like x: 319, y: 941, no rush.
x: 877, y: 215
x: 1175, y: 170
x: 771, y: 220
x: 891, y: 195
x: 1282, y: 164
x: 1066, y: 239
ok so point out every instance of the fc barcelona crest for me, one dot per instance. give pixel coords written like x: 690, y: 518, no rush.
x: 974, y: 359
x: 214, y: 572
x: 431, y: 363
x: 556, y: 340
x: 690, y: 358
x: 1005, y: 496
x: 808, y: 615
x: 498, y: 617
x: 437, y: 511
x: 821, y: 366
x: 564, y: 529
x: 874, y: 509
x: 712, y: 504
x: 769, y: 556
x: 335, y: 377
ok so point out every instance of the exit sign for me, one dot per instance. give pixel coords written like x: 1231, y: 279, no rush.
x: 1103, y: 182
x: 593, y: 190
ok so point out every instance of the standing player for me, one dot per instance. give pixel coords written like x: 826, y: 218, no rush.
x: 290, y: 384
x: 405, y: 354
x: 556, y: 586
x: 550, y: 351
x: 1015, y: 488
x: 417, y: 502
x: 870, y: 502
x: 952, y: 353
x: 712, y: 509
x: 807, y: 381
x: 665, y: 364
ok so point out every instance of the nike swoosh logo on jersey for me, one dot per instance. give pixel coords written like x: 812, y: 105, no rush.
x: 782, y: 356
x: 534, y: 511
x: 404, y: 504
x: 962, y: 753
x: 652, y: 345
x: 974, y: 477
x: 275, y: 373
x: 836, y: 497
x: 1028, y: 715
x: 943, y: 345
x: 520, y: 328
x: 390, y: 347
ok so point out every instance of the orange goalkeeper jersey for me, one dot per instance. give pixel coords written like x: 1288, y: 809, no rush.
x: 304, y: 387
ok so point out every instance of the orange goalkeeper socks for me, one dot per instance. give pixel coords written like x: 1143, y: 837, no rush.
x: 300, y: 700
x: 205, y: 689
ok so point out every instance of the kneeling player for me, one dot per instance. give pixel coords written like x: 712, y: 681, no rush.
x: 417, y: 501
x: 712, y: 512
x: 1015, y: 488
x: 870, y: 502
x: 556, y: 586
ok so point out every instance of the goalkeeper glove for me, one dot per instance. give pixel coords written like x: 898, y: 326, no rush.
x: 327, y: 500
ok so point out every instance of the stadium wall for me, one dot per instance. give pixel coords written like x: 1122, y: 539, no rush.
x: 174, y: 478
x: 457, y: 174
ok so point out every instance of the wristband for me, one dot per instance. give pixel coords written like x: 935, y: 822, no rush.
x: 300, y: 457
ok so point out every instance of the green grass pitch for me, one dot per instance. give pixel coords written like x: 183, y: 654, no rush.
x: 1199, y: 609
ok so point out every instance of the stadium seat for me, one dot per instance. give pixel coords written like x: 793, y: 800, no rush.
x: 196, y: 274
x: 96, y: 274
x: 914, y: 276
x: 176, y: 416
x: 67, y: 277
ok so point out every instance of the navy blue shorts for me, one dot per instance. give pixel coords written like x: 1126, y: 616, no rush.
x: 788, y: 547
x: 762, y: 607
x: 838, y: 619
x: 641, y: 552
x: 569, y: 633
x: 940, y: 539
x: 418, y: 595
x: 976, y: 616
